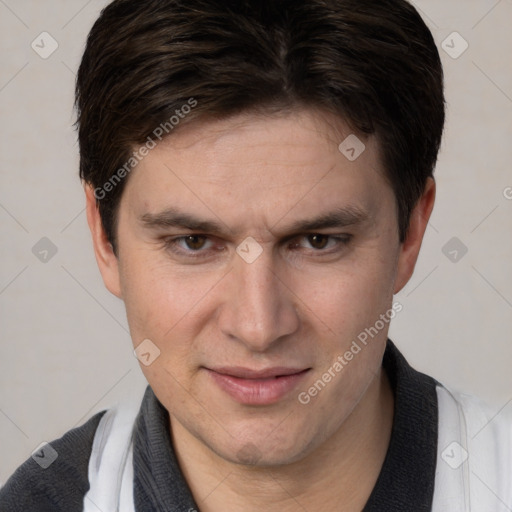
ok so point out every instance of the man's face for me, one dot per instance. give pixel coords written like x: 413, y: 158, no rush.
x: 327, y: 231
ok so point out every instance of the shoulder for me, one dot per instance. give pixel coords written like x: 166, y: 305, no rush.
x: 479, y: 423
x: 487, y: 423
x: 59, y: 480
x: 477, y: 443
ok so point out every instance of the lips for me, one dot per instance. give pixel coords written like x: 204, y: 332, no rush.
x: 257, y: 387
x: 246, y: 373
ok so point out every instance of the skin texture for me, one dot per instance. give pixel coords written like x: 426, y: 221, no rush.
x: 300, y: 304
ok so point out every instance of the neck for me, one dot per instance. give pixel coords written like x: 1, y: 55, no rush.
x: 339, y: 475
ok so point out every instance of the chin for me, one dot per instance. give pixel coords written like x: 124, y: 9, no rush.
x: 264, y: 451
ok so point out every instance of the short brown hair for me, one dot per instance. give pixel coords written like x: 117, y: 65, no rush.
x: 373, y: 62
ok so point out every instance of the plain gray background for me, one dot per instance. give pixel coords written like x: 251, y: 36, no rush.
x: 65, y: 348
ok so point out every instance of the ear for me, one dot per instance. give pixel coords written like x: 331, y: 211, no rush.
x: 410, y: 247
x: 103, y: 250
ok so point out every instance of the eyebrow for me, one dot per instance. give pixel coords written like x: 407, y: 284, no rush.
x: 173, y: 218
x: 338, y: 218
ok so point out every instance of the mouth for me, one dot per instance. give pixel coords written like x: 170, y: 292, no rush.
x: 257, y: 387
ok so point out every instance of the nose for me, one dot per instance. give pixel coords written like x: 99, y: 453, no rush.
x: 258, y: 309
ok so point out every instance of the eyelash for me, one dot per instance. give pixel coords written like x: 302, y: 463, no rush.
x: 172, y: 244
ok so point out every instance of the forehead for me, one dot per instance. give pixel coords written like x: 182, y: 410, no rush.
x: 300, y: 134
x: 259, y: 163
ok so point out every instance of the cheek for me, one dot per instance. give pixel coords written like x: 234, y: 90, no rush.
x: 152, y: 297
x: 168, y: 307
x: 349, y: 297
x: 163, y: 308
x: 148, y: 298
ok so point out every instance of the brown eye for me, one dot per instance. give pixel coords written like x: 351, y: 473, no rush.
x: 195, y: 242
x: 318, y: 241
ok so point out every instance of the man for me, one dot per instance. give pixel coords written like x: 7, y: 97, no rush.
x: 258, y: 178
